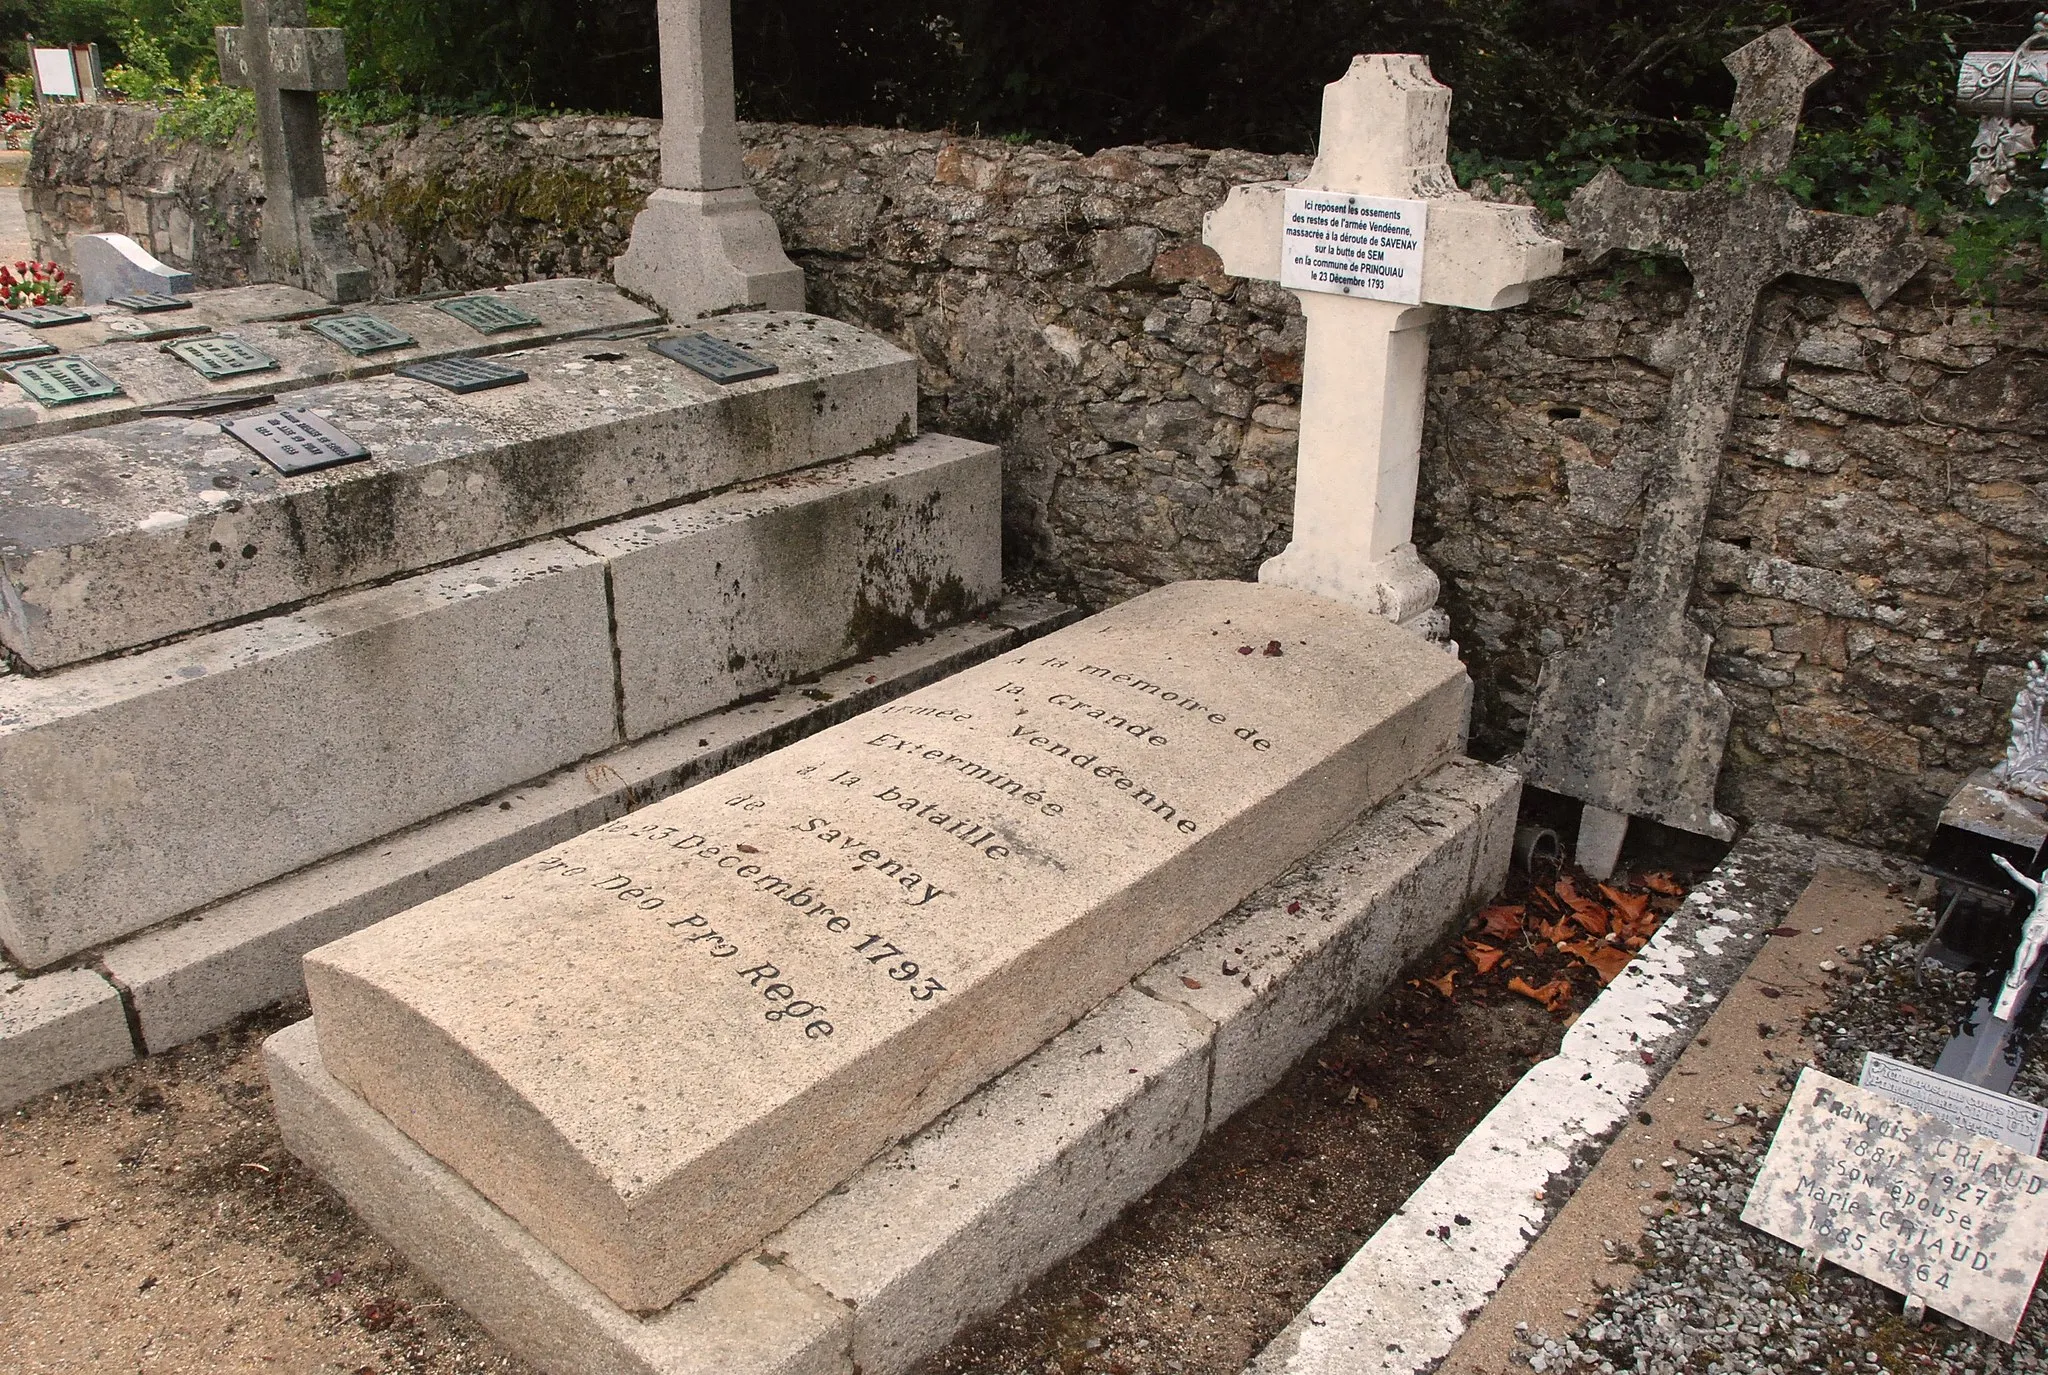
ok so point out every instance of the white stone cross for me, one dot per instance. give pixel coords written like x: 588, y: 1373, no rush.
x: 704, y: 244
x: 1386, y: 129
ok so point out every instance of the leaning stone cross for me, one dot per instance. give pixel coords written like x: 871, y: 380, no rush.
x: 1629, y: 722
x: 1374, y: 237
x: 287, y: 64
x: 704, y: 244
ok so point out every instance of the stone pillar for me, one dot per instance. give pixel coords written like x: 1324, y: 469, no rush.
x: 704, y: 244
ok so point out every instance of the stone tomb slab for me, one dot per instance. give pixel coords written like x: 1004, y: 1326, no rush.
x: 274, y: 319
x: 655, y: 1044
x: 141, y: 531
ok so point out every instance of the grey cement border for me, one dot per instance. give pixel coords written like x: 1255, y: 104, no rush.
x: 1408, y: 1295
x: 946, y: 1227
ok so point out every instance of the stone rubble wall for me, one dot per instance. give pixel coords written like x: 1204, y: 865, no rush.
x: 1878, y: 552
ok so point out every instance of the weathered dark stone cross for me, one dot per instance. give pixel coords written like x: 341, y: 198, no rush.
x: 287, y: 64
x: 1629, y: 722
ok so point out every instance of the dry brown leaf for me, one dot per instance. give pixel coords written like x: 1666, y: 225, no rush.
x: 1501, y: 923
x: 1554, y: 995
x: 1635, y: 907
x: 1483, y: 957
x: 1443, y: 984
x: 1662, y: 883
x: 1608, y: 961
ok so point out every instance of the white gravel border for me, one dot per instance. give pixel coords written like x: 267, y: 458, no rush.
x: 1406, y: 1297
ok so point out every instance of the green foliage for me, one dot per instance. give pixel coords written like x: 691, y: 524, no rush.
x: 208, y: 113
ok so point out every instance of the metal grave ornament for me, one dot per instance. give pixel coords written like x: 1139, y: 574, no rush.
x: 723, y: 363
x: 463, y: 375
x: 1986, y: 1050
x: 1955, y: 1220
x: 149, y: 302
x: 487, y: 314
x: 2014, y: 1121
x: 2009, y: 91
x: 360, y: 334
x: 19, y: 353
x: 45, y: 317
x: 220, y: 356
x: 63, y: 381
x: 296, y: 441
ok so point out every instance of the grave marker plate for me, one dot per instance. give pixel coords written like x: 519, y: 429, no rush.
x: 2000, y: 1116
x: 462, y: 375
x: 45, y: 317
x: 1904, y: 1198
x: 64, y: 381
x: 17, y: 353
x: 360, y: 334
x: 135, y: 329
x: 199, y: 407
x: 220, y: 356
x: 149, y: 302
x: 297, y: 441
x: 487, y: 314
x: 723, y: 363
x: 1349, y: 245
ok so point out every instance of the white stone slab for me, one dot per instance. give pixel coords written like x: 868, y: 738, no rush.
x: 57, y: 1029
x: 799, y: 574
x: 2011, y: 1121
x: 140, y: 788
x: 189, y: 977
x: 1905, y: 1198
x: 755, y: 1319
x: 156, y: 528
x: 937, y: 1233
x: 1010, y: 1182
x: 529, y: 1030
x: 115, y: 265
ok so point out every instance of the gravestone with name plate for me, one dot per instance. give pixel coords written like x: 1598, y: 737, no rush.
x: 1918, y: 1204
x: 2016, y: 1122
x: 297, y: 441
x: 360, y: 334
x: 63, y: 381
x: 714, y: 358
x: 218, y: 357
x: 46, y: 317
x: 488, y: 314
x: 463, y: 375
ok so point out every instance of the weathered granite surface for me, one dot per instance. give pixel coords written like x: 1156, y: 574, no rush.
x: 1877, y: 552
x: 662, y: 1040
x: 152, y: 528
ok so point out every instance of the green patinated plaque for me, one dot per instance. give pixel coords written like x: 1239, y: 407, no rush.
x: 17, y: 353
x: 63, y: 381
x: 149, y: 302
x: 360, y: 334
x: 44, y: 317
x: 200, y: 406
x: 712, y: 357
x: 463, y: 375
x: 220, y: 356
x: 296, y: 441
x: 487, y: 314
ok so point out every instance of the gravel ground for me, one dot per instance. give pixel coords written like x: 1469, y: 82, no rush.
x: 1718, y: 1297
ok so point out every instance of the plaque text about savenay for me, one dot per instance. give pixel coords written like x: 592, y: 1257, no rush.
x: 1904, y: 1198
x: 1365, y: 246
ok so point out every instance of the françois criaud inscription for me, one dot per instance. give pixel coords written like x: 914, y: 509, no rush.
x: 658, y: 1042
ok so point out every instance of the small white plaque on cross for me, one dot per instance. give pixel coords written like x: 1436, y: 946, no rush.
x: 1369, y: 246
x: 1383, y: 235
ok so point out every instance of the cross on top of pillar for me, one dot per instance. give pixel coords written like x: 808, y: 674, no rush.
x: 1376, y: 234
x: 286, y: 63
